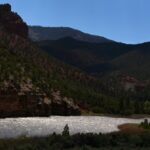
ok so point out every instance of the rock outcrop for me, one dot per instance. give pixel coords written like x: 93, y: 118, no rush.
x: 24, y: 100
x: 12, y: 22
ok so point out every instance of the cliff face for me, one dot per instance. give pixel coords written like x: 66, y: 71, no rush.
x: 12, y: 22
x: 14, y: 104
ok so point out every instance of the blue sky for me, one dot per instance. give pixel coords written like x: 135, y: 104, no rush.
x: 121, y: 20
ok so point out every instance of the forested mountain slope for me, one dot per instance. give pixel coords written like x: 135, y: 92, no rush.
x: 33, y: 83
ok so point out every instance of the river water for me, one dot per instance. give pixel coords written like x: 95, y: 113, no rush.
x: 14, y: 127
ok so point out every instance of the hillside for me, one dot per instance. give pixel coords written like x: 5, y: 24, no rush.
x: 101, y: 59
x: 136, y: 62
x: 33, y: 83
x: 92, y: 54
x: 38, y: 33
x: 122, y: 89
x: 90, y: 57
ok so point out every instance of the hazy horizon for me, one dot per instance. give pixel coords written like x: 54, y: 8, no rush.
x: 122, y: 21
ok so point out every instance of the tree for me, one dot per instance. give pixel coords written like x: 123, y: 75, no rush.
x: 147, y: 107
x: 145, y: 124
x: 66, y: 131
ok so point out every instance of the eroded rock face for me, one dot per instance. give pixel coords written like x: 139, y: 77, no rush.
x: 12, y: 22
x: 63, y: 105
x: 22, y: 100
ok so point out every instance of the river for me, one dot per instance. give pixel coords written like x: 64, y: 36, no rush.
x: 14, y: 127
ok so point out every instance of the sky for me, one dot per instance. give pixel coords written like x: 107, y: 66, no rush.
x: 125, y: 21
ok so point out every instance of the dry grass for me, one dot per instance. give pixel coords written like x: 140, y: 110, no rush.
x: 132, y: 129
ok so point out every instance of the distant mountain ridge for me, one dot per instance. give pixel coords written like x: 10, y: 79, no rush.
x: 101, y: 58
x: 90, y: 57
x: 38, y: 33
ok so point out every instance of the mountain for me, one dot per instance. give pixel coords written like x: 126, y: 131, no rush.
x: 135, y: 62
x: 33, y: 83
x: 38, y: 33
x: 90, y: 57
x: 101, y: 59
x: 123, y: 70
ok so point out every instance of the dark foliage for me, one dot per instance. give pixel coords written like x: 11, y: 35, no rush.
x: 88, y: 141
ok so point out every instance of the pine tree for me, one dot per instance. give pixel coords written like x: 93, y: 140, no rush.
x: 66, y: 131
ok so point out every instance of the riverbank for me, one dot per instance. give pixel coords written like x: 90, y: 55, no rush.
x: 130, y: 136
x: 89, y: 141
x: 133, y: 116
x: 132, y: 129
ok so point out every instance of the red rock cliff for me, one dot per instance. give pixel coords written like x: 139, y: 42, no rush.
x: 12, y: 22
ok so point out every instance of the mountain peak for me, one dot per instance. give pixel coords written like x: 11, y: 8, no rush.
x: 5, y: 8
x: 12, y: 22
x: 39, y: 33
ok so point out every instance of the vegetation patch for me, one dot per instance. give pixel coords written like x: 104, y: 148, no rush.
x: 145, y: 124
x: 89, y: 141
